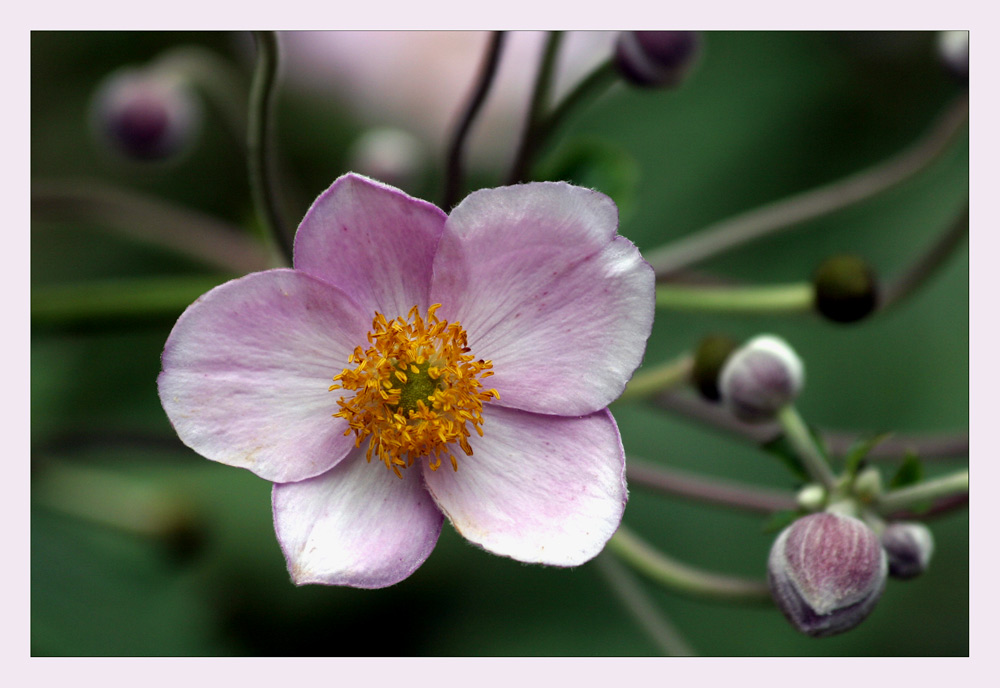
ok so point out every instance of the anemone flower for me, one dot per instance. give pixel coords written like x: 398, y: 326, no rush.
x: 415, y: 365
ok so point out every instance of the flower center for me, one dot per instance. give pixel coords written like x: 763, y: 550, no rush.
x: 416, y: 388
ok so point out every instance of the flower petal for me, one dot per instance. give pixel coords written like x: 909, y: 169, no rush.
x: 357, y: 524
x: 373, y: 241
x: 247, y: 370
x: 545, y: 290
x: 539, y: 489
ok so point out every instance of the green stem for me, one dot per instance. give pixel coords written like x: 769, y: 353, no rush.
x: 927, y: 263
x: 453, y: 177
x: 658, y: 378
x: 148, y: 220
x: 681, y: 577
x: 643, y: 608
x: 802, y: 441
x: 783, y: 214
x: 671, y: 481
x: 917, y: 495
x: 783, y: 298
x: 116, y: 299
x: 260, y: 167
x: 530, y: 138
x: 603, y: 76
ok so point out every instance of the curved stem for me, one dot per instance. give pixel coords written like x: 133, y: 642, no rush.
x: 658, y: 378
x: 663, y: 633
x: 603, y: 76
x: 117, y: 299
x: 915, y: 495
x: 927, y: 263
x: 671, y: 481
x: 802, y: 441
x: 149, y: 220
x: 681, y: 577
x: 453, y: 178
x: 783, y: 298
x: 730, y: 233
x: 262, y: 183
x: 530, y: 136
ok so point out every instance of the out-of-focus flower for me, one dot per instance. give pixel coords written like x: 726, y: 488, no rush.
x: 420, y: 80
x: 657, y: 59
x: 760, y: 378
x: 473, y: 356
x: 953, y: 47
x: 826, y: 572
x: 395, y: 156
x: 145, y: 114
x: 909, y: 547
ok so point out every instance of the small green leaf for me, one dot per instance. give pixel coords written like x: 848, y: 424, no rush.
x: 859, y: 450
x: 911, y: 471
x: 780, y: 520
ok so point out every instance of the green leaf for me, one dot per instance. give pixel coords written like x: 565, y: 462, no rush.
x: 859, y: 450
x: 911, y: 471
x: 780, y: 520
x: 597, y: 165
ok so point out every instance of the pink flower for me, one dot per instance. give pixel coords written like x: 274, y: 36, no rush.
x: 415, y: 365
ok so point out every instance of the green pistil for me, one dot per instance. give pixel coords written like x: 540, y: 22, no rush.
x: 418, y: 387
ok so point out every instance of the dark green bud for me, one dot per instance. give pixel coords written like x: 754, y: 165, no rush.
x: 846, y: 290
x: 709, y: 358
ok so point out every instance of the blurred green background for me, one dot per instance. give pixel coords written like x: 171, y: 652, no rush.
x: 763, y: 115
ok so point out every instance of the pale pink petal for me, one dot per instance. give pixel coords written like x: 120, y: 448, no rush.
x: 357, y: 524
x: 539, y: 489
x: 546, y: 290
x: 247, y: 370
x: 373, y: 241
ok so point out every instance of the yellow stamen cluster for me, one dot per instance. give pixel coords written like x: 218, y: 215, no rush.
x: 416, y: 388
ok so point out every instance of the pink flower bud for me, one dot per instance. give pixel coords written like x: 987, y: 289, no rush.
x: 760, y: 378
x: 656, y: 58
x: 909, y: 547
x: 826, y: 572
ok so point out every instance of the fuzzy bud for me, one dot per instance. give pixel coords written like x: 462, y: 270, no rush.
x: 656, y: 58
x: 826, y: 572
x: 144, y: 115
x: 909, y: 547
x: 953, y: 47
x: 760, y: 378
x: 709, y: 358
x: 846, y: 290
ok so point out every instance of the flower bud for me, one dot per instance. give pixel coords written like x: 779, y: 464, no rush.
x: 868, y: 484
x: 760, y: 378
x: 953, y: 47
x: 656, y: 58
x: 909, y: 547
x: 711, y: 355
x: 143, y: 114
x: 826, y: 572
x: 846, y: 290
x: 391, y: 155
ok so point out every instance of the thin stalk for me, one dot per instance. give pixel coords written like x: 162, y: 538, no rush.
x: 783, y: 214
x: 629, y: 591
x: 453, y: 178
x: 259, y: 155
x: 658, y: 378
x: 530, y: 136
x: 683, y: 578
x: 927, y: 263
x: 802, y: 441
x: 671, y: 481
x: 148, y: 220
x: 916, y: 495
x: 603, y: 76
x: 783, y: 298
x: 117, y: 299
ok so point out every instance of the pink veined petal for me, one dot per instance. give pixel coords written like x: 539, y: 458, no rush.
x: 546, y: 290
x: 539, y: 489
x: 247, y: 370
x: 357, y: 524
x: 373, y: 241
